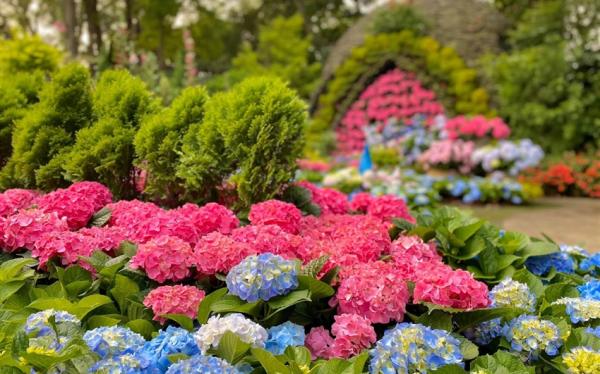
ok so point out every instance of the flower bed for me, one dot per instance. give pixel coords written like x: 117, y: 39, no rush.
x: 88, y: 284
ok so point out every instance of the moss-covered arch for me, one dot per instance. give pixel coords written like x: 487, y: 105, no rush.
x: 439, y: 68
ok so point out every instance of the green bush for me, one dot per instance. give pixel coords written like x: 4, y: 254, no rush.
x: 397, y: 18
x: 104, y: 152
x: 440, y: 68
x: 251, y: 137
x: 65, y: 106
x: 158, y: 143
x: 26, y: 53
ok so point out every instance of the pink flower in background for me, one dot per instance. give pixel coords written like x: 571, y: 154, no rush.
x: 449, y: 152
x: 164, y: 258
x: 438, y: 284
x: 352, y: 333
x: 361, y: 201
x: 270, y: 238
x: 66, y: 245
x: 387, y: 207
x: 313, y: 165
x: 331, y: 201
x: 23, y: 229
x: 176, y: 299
x: 14, y: 199
x: 375, y: 291
x: 275, y: 212
x: 218, y: 253
x: 476, y: 127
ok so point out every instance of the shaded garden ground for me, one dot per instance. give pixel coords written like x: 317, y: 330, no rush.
x: 565, y: 220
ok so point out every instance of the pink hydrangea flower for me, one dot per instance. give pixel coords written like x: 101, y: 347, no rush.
x: 410, y: 251
x: 210, y: 217
x: 439, y: 284
x: 387, y: 207
x: 353, y: 333
x: 105, y: 238
x: 174, y: 300
x: 164, y: 223
x: 127, y: 213
x: 23, y: 229
x: 275, y: 212
x: 270, y: 238
x: 218, y: 253
x: 164, y: 258
x: 361, y: 202
x: 76, y: 208
x: 331, y: 201
x: 319, y: 342
x: 98, y: 193
x: 66, y: 245
x: 374, y: 291
x: 14, y: 199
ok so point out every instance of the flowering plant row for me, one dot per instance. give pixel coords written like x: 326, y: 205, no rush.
x: 92, y: 285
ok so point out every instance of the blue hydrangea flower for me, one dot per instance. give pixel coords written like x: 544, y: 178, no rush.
x: 485, y: 332
x: 591, y: 263
x: 541, y: 265
x: 579, y: 309
x: 473, y: 195
x: 38, y: 324
x: 262, y: 277
x: 414, y: 348
x: 510, y: 293
x: 574, y: 250
x: 113, y: 341
x: 284, y: 335
x: 200, y: 364
x: 594, y: 331
x: 532, y: 335
x: 123, y: 364
x: 170, y: 341
x: 590, y: 290
x: 458, y: 188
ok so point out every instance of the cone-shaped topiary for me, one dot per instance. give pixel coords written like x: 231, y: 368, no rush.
x: 251, y: 136
x: 65, y: 106
x: 104, y: 152
x: 158, y: 143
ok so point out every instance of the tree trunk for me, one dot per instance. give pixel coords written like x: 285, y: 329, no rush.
x: 160, y: 52
x: 129, y: 19
x: 93, y: 23
x: 70, y: 25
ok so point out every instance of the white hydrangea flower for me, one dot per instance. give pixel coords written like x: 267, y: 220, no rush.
x: 209, y: 335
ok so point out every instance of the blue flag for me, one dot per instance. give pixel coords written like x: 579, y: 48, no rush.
x: 365, y: 161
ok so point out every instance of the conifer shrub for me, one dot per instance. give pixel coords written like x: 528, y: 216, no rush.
x: 65, y: 106
x: 27, y: 53
x: 158, y: 143
x: 250, y: 137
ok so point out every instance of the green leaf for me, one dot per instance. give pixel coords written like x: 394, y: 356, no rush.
x: 101, y: 217
x: 331, y: 275
x: 449, y: 369
x: 232, y: 303
x: 465, y: 232
x: 513, y: 241
x: 176, y: 357
x: 280, y: 303
x: 142, y: 327
x: 10, y: 288
x: 299, y: 355
x: 334, y: 365
x: 535, y: 284
x: 97, y: 321
x: 556, y: 291
x: 271, y: 364
x: 538, y: 248
x: 471, y: 249
x: 123, y: 289
x: 313, y: 268
x: 467, y: 348
x: 91, y: 302
x: 358, y: 363
x: 579, y: 337
x: 465, y: 320
x: 182, y: 320
x: 437, y: 319
x: 11, y: 269
x: 318, y: 289
x: 206, y: 304
x: 231, y: 348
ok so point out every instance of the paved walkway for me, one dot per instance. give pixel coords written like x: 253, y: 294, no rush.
x: 565, y: 220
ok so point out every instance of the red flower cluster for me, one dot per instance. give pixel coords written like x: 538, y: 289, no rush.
x: 352, y: 332
x: 395, y: 94
x: 13, y: 200
x: 164, y: 258
x: 275, y: 212
x: 174, y: 300
x: 476, y: 127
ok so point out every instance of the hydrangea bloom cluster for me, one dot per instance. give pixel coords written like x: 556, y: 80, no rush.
x: 125, y: 213
x: 510, y: 293
x: 532, y: 335
x: 408, y: 252
x: 104, y: 238
x: 23, y: 229
x: 590, y: 290
x: 582, y: 360
x: 218, y: 253
x: 388, y: 207
x: 270, y: 238
x: 360, y: 202
x: 414, y: 348
x: 541, y: 265
x: 113, y: 341
x: 275, y: 212
x: 210, y: 217
x: 439, y: 284
x: 352, y: 332
x: 287, y: 334
x: 210, y: 334
x: 68, y: 245
x: 262, y: 277
x: 200, y: 364
x: 330, y: 201
x: 11, y: 201
x: 174, y: 300
x: 508, y: 155
x: 123, y: 364
x: 485, y: 332
x: 590, y: 263
x: 580, y: 309
x: 477, y: 127
x: 173, y: 340
x: 375, y: 291
x: 164, y: 258
x: 43, y: 338
x: 449, y: 152
x: 574, y: 250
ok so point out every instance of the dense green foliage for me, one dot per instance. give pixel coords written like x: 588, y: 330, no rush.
x: 439, y: 68
x: 25, y: 53
x: 282, y: 52
x: 398, y: 18
x: 250, y: 136
x: 104, y: 151
x: 65, y: 107
x: 543, y: 85
x: 158, y: 143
